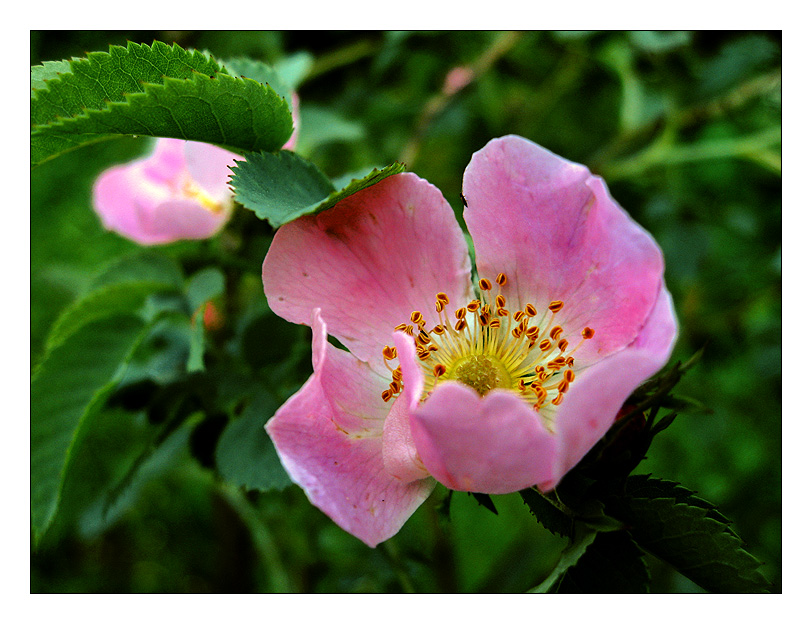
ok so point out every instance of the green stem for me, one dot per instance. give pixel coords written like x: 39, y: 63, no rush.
x: 277, y: 580
x: 662, y: 153
x: 343, y: 56
x: 438, y: 103
x: 393, y: 554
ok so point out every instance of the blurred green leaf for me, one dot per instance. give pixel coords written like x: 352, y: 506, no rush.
x: 157, y: 91
x: 71, y: 382
x: 294, y: 68
x: 245, y: 455
x: 112, y: 300
x: 204, y: 286
x: 690, y: 534
x: 281, y: 187
x: 197, y: 344
x: 146, y: 266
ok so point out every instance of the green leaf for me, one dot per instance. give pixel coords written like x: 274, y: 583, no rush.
x: 111, y: 300
x: 48, y: 71
x: 690, y: 534
x: 141, y: 267
x: 103, y: 77
x: 73, y: 380
x: 281, y: 187
x: 157, y: 91
x: 610, y: 563
x: 197, y: 344
x: 485, y: 501
x: 261, y: 72
x: 293, y: 69
x: 550, y: 517
x: 245, y: 455
x: 572, y: 553
x: 205, y: 285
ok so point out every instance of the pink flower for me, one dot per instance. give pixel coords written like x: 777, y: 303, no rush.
x: 489, y: 387
x: 178, y: 192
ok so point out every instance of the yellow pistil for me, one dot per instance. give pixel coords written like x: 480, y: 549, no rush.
x: 486, y: 346
x: 192, y: 190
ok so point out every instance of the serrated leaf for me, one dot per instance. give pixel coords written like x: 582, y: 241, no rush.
x: 261, y: 72
x: 646, y: 486
x: 611, y: 563
x: 103, y: 77
x: 73, y: 380
x: 547, y: 514
x: 157, y: 90
x: 48, y: 71
x: 692, y: 536
x: 245, y: 455
x: 281, y: 187
x: 569, y: 557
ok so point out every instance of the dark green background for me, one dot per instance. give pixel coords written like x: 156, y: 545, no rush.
x: 683, y: 126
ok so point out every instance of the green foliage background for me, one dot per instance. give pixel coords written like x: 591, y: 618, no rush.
x: 685, y: 127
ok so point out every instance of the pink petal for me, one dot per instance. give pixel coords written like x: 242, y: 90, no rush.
x: 146, y: 200
x: 598, y: 392
x: 294, y: 111
x: 399, y: 451
x: 328, y: 436
x: 494, y: 444
x: 368, y: 262
x: 183, y: 219
x: 553, y: 229
x: 165, y: 163
x: 400, y: 457
x: 209, y: 167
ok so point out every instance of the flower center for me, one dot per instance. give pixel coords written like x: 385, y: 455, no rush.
x: 192, y: 190
x: 482, y: 372
x: 486, y: 346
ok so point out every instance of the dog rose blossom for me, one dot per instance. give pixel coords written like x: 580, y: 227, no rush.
x: 491, y: 384
x: 178, y: 192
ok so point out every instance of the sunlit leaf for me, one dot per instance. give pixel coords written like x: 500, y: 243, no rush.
x: 158, y: 90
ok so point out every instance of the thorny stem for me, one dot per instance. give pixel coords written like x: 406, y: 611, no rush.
x: 435, y: 105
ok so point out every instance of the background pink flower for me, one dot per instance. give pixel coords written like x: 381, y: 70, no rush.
x: 178, y: 192
x: 492, y: 392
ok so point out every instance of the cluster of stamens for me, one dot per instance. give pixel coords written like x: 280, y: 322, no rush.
x: 485, y: 346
